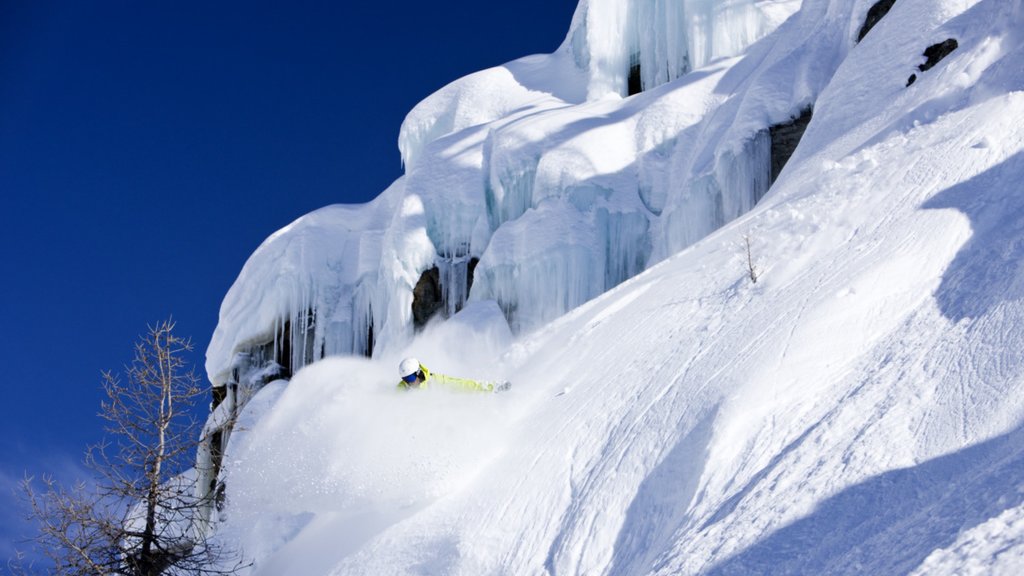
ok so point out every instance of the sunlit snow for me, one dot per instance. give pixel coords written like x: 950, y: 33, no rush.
x: 857, y: 410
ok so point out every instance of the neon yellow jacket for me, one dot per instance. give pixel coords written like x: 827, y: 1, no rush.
x: 448, y: 382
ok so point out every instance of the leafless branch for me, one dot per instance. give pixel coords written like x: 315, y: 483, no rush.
x: 140, y: 515
x: 752, y: 272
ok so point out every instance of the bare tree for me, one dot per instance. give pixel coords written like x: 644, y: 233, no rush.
x: 140, y: 516
x: 752, y: 272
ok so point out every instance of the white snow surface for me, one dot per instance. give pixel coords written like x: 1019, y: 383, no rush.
x: 857, y: 410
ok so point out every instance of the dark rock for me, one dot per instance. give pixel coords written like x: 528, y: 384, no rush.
x: 785, y: 137
x: 936, y: 52
x: 370, y: 339
x: 933, y: 55
x: 875, y: 14
x: 426, y: 297
x: 634, y: 84
x: 470, y: 270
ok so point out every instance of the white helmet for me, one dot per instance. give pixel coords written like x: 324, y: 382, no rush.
x: 408, y: 367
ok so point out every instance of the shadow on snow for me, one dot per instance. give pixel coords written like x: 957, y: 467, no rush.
x: 890, y: 523
x: 989, y: 269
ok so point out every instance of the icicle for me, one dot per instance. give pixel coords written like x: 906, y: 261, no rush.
x: 571, y: 248
x: 741, y: 177
x: 626, y: 246
x: 362, y: 335
x: 665, y: 39
x: 454, y: 278
x: 509, y: 190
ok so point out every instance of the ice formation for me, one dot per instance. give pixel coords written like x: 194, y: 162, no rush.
x: 540, y: 170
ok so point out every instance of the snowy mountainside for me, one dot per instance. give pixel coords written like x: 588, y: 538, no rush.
x: 857, y: 410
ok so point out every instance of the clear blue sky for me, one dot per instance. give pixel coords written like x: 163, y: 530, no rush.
x: 147, y: 148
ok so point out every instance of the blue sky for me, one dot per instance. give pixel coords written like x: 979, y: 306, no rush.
x: 147, y: 148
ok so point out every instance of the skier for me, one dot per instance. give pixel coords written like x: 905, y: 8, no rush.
x: 416, y: 375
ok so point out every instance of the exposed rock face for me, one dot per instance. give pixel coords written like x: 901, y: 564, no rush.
x: 426, y: 297
x: 634, y: 83
x: 933, y: 55
x: 785, y: 138
x: 875, y: 14
x: 936, y: 52
x: 429, y: 297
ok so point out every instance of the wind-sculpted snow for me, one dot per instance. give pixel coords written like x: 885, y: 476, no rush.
x: 857, y: 410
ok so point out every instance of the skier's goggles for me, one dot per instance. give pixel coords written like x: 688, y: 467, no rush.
x: 411, y: 377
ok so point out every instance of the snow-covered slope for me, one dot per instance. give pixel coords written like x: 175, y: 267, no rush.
x: 857, y: 410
